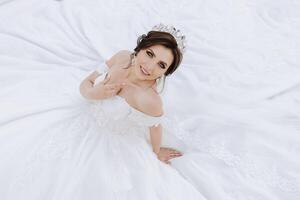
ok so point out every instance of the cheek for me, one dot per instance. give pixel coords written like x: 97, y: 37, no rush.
x: 159, y: 72
x: 141, y: 57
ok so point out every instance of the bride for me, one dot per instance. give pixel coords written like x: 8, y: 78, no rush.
x: 156, y: 56
x: 109, y: 146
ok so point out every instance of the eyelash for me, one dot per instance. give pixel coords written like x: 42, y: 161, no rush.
x: 162, y: 66
x: 151, y: 55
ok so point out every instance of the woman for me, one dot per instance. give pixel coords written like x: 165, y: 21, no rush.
x: 128, y: 105
x: 133, y: 76
x: 106, y: 145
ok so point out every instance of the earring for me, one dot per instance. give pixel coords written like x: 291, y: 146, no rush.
x: 132, y: 59
x: 160, y: 83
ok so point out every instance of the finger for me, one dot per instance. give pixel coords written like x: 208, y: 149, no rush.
x: 110, y: 87
x: 171, y: 149
x: 175, y: 151
x: 116, y: 87
x: 119, y: 85
x: 107, y: 78
x: 175, y: 154
x: 110, y: 92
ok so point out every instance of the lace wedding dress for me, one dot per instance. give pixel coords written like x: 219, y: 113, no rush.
x: 237, y: 126
x: 56, y: 145
x: 97, y: 150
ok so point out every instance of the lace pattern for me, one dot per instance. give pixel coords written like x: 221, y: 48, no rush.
x: 57, y: 147
x: 252, y: 168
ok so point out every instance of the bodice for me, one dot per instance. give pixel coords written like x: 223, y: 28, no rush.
x: 117, y: 115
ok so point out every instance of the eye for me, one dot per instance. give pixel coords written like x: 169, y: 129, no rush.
x: 162, y: 66
x: 149, y: 54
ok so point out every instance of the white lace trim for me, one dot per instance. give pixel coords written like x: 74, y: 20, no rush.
x: 251, y: 168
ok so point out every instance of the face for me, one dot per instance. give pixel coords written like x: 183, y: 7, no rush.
x: 152, y: 62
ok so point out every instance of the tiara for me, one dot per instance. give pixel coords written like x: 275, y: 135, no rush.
x: 176, y: 33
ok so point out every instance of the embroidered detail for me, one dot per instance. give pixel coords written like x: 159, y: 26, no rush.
x: 252, y: 168
x: 58, y: 147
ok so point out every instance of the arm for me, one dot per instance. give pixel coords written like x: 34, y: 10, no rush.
x: 155, y: 137
x: 87, y: 89
x: 102, y: 90
x: 99, y: 91
x: 163, y: 154
x: 151, y: 104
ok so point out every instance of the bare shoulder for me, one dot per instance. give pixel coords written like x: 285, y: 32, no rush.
x: 151, y: 104
x: 120, y: 57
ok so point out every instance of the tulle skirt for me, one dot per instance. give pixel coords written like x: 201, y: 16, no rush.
x: 52, y: 148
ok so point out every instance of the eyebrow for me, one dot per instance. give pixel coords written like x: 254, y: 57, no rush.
x: 155, y: 56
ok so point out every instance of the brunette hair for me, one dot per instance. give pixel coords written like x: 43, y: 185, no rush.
x: 160, y: 38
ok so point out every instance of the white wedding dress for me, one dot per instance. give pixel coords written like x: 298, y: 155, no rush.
x: 232, y: 107
x: 56, y: 145
x: 94, y: 150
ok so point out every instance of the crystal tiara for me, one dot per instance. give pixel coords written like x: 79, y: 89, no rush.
x: 176, y: 33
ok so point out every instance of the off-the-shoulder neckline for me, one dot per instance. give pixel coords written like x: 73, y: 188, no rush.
x: 125, y: 101
x: 136, y: 110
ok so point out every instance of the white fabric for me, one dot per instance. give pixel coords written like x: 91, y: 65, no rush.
x: 232, y: 107
x: 145, y: 119
x: 96, y: 152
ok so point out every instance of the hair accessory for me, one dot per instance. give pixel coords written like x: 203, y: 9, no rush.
x: 160, y: 82
x: 176, y: 33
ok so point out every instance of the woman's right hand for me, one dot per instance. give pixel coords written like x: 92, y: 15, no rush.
x: 108, y: 90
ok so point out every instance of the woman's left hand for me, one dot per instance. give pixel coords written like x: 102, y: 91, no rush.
x: 165, y: 154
